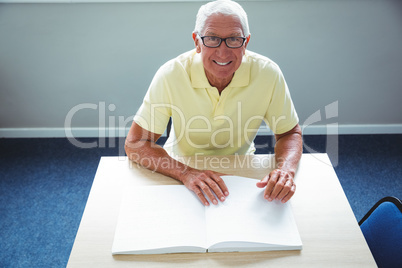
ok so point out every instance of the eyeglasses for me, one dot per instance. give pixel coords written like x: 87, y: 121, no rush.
x: 231, y: 42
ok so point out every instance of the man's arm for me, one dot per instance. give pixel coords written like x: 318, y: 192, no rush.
x: 141, y: 148
x: 280, y: 183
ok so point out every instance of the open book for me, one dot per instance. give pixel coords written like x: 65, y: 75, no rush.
x: 171, y: 219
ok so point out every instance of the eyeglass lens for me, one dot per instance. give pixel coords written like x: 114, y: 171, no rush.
x: 232, y: 42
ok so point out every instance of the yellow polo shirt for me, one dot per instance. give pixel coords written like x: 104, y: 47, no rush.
x: 205, y: 122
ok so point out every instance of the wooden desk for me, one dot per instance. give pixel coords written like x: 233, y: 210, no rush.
x: 328, y: 229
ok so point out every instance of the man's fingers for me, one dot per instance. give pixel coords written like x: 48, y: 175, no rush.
x: 207, y: 190
x: 280, y: 186
x: 273, y: 178
x: 285, y: 189
x: 207, y: 185
x: 220, y: 186
x: 290, y: 194
x: 201, y: 196
x: 262, y: 183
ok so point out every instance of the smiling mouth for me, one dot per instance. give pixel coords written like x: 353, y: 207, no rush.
x: 222, y: 63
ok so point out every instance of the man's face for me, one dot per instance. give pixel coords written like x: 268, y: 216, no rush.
x: 220, y: 63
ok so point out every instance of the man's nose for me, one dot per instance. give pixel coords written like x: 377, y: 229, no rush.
x: 223, y: 50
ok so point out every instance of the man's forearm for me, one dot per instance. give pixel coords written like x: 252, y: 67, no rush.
x: 288, y: 151
x: 152, y: 156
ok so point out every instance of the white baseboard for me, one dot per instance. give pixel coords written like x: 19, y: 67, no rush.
x: 335, y: 129
x: 79, y: 132
x: 93, y: 132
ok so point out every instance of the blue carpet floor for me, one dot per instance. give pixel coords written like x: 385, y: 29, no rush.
x: 44, y: 185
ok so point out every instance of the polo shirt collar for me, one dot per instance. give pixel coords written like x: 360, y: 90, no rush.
x: 241, y: 77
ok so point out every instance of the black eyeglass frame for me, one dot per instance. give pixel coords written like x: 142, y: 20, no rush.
x: 223, y: 39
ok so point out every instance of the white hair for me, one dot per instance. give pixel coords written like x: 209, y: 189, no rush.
x: 223, y: 7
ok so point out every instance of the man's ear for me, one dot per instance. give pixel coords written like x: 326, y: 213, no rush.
x: 247, y: 40
x: 197, y: 43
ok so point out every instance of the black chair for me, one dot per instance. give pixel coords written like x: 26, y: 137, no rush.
x: 382, y: 229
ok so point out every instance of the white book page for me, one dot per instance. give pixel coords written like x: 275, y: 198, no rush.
x: 160, y: 219
x: 245, y: 216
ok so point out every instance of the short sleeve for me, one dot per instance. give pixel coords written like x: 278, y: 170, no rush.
x: 281, y: 115
x: 155, y: 110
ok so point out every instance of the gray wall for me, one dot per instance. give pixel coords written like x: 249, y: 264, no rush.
x: 54, y: 57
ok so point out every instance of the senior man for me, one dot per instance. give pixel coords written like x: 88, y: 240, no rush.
x: 216, y: 95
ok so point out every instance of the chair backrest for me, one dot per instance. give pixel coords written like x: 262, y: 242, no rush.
x: 382, y: 229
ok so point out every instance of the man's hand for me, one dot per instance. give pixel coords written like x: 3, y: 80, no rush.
x: 288, y: 151
x: 279, y: 185
x: 205, y: 183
